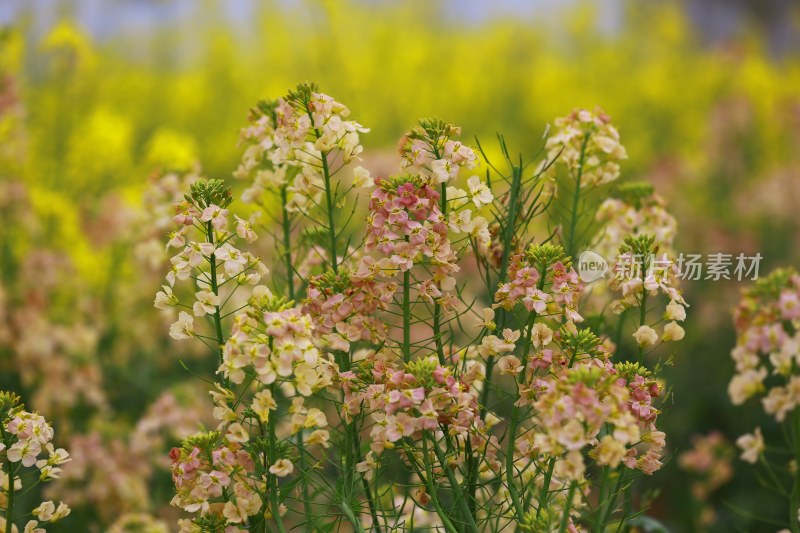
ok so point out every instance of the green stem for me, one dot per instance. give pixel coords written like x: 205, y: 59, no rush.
x: 329, y: 201
x: 456, y: 488
x: 215, y: 290
x: 301, y: 464
x: 273, y: 480
x: 407, y: 315
x: 287, y: 254
x: 795, y: 496
x: 602, y: 491
x: 573, y: 227
x: 367, y: 492
x: 567, y: 508
x: 508, y: 236
x: 545, y: 493
x: 643, y: 303
x: 448, y: 524
x: 472, y: 477
x: 10, y: 496
x: 526, y: 346
x: 608, y: 507
x: 437, y: 309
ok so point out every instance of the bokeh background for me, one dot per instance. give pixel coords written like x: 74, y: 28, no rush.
x: 98, y: 95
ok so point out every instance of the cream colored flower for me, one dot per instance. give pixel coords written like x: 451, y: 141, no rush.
x: 752, y: 446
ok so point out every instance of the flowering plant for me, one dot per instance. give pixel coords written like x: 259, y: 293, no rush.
x: 767, y: 355
x: 376, y: 384
x: 25, y: 444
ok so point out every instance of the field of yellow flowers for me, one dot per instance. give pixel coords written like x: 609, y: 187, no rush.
x: 104, y: 150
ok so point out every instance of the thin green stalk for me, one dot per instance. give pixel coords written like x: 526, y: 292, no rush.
x: 573, y: 227
x: 472, y: 477
x: 287, y: 236
x: 544, y: 495
x: 407, y: 315
x: 608, y: 506
x: 287, y: 245
x: 367, y: 492
x: 456, y: 488
x: 795, y: 496
x: 601, y: 493
x: 567, y: 508
x: 437, y: 309
x: 643, y: 307
x: 329, y: 201
x: 508, y: 235
x: 448, y: 524
x: 10, y: 496
x: 512, y: 489
x: 273, y: 480
x: 215, y: 290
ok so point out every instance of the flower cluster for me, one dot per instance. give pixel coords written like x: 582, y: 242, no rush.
x: 543, y: 280
x: 596, y: 406
x: 426, y: 412
x: 344, y: 306
x: 431, y: 152
x: 26, y: 442
x: 405, y: 400
x: 587, y: 145
x: 767, y: 357
x: 214, y: 478
x: 288, y: 142
x: 221, y: 476
x: 709, y: 457
x: 641, y: 274
x: 634, y: 210
x: 212, y: 261
x: 406, y: 225
x: 768, y: 344
x: 273, y: 341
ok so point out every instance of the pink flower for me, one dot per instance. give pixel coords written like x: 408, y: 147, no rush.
x: 282, y: 468
x: 216, y: 215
